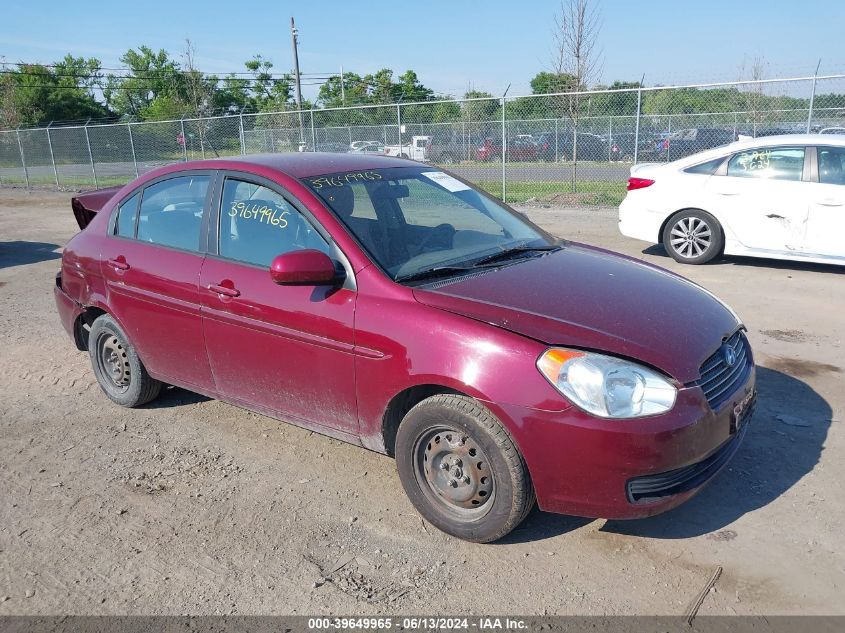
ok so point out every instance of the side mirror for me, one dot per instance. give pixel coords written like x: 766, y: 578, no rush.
x: 303, y: 268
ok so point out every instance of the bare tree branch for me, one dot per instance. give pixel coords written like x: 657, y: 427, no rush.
x: 576, y: 60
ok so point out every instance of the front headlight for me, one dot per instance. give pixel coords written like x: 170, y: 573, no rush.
x: 605, y: 386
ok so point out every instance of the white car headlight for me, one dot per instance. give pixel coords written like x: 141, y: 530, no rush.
x: 606, y: 386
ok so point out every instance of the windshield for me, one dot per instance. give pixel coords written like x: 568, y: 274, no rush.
x: 414, y: 219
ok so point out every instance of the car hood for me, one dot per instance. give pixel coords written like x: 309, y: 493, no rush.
x: 589, y: 298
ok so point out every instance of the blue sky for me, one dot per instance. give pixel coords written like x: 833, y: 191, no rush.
x: 450, y: 43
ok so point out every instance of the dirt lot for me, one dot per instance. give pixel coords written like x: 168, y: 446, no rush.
x: 194, y: 506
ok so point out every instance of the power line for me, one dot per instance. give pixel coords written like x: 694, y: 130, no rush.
x: 158, y: 71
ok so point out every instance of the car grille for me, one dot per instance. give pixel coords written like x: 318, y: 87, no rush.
x: 719, y: 380
x: 655, y: 487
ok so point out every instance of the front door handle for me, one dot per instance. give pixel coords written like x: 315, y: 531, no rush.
x: 728, y: 193
x: 119, y: 263
x: 224, y: 290
x: 830, y: 202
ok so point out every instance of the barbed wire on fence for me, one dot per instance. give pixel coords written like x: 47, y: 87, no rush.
x: 518, y: 147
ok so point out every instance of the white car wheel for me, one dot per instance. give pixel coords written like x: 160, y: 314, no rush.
x: 693, y: 237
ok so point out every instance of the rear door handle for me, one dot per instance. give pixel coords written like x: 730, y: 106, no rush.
x: 119, y: 263
x: 830, y: 202
x: 728, y: 193
x: 224, y: 291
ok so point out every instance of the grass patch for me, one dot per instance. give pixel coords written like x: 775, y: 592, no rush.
x: 587, y: 192
x: 67, y: 182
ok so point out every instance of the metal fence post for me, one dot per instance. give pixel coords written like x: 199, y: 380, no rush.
x: 23, y: 160
x: 557, y: 131
x: 184, y: 140
x: 609, y: 138
x: 132, y: 147
x: 399, y: 123
x: 52, y: 158
x: 812, y: 98
x: 637, y: 123
x: 313, y: 133
x: 91, y: 156
x: 241, y: 132
x: 504, y: 147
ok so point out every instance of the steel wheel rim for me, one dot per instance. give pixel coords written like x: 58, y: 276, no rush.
x: 113, y: 361
x: 691, y: 237
x: 454, y: 473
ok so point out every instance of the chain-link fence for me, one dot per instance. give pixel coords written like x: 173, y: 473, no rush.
x: 569, y: 148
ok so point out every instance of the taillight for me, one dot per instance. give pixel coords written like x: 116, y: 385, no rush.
x: 639, y: 183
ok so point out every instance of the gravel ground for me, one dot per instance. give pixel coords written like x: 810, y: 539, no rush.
x: 193, y: 506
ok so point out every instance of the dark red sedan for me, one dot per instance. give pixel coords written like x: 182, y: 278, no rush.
x: 392, y: 305
x: 519, y: 149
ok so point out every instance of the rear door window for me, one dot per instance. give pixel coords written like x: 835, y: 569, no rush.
x: 773, y: 163
x: 171, y: 212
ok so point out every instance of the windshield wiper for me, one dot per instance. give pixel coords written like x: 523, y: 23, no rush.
x: 431, y: 273
x: 511, y: 252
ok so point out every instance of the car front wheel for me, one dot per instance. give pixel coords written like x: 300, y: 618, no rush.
x: 693, y: 237
x: 121, y: 374
x: 461, y: 469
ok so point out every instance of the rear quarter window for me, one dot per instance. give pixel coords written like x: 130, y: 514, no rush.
x: 126, y: 215
x: 707, y: 168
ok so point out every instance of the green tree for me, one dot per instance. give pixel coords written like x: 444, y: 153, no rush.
x: 381, y: 88
x: 266, y: 93
x: 483, y: 106
x: 62, y: 91
x: 617, y: 103
x: 353, y: 92
x: 152, y: 75
x: 547, y: 83
x: 410, y: 88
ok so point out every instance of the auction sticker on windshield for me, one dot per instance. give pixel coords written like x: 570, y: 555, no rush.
x: 445, y: 180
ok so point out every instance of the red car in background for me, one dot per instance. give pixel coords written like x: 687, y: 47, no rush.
x: 519, y: 149
x: 394, y: 306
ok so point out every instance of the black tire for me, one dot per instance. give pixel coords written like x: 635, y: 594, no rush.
x: 693, y: 236
x: 121, y: 374
x: 481, y: 460
x: 447, y: 159
x: 403, y: 155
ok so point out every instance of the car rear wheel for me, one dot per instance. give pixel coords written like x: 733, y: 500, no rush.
x: 693, y: 237
x: 117, y: 367
x: 461, y: 469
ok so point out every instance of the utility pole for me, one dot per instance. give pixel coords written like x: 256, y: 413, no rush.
x: 293, y: 42
x: 342, y: 89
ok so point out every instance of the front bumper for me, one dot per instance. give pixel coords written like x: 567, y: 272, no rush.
x: 626, y: 469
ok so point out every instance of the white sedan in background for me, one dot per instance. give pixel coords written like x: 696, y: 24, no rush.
x: 781, y: 197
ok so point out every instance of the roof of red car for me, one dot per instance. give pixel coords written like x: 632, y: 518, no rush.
x: 306, y: 164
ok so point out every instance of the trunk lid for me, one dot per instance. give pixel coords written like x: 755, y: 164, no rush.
x: 88, y: 203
